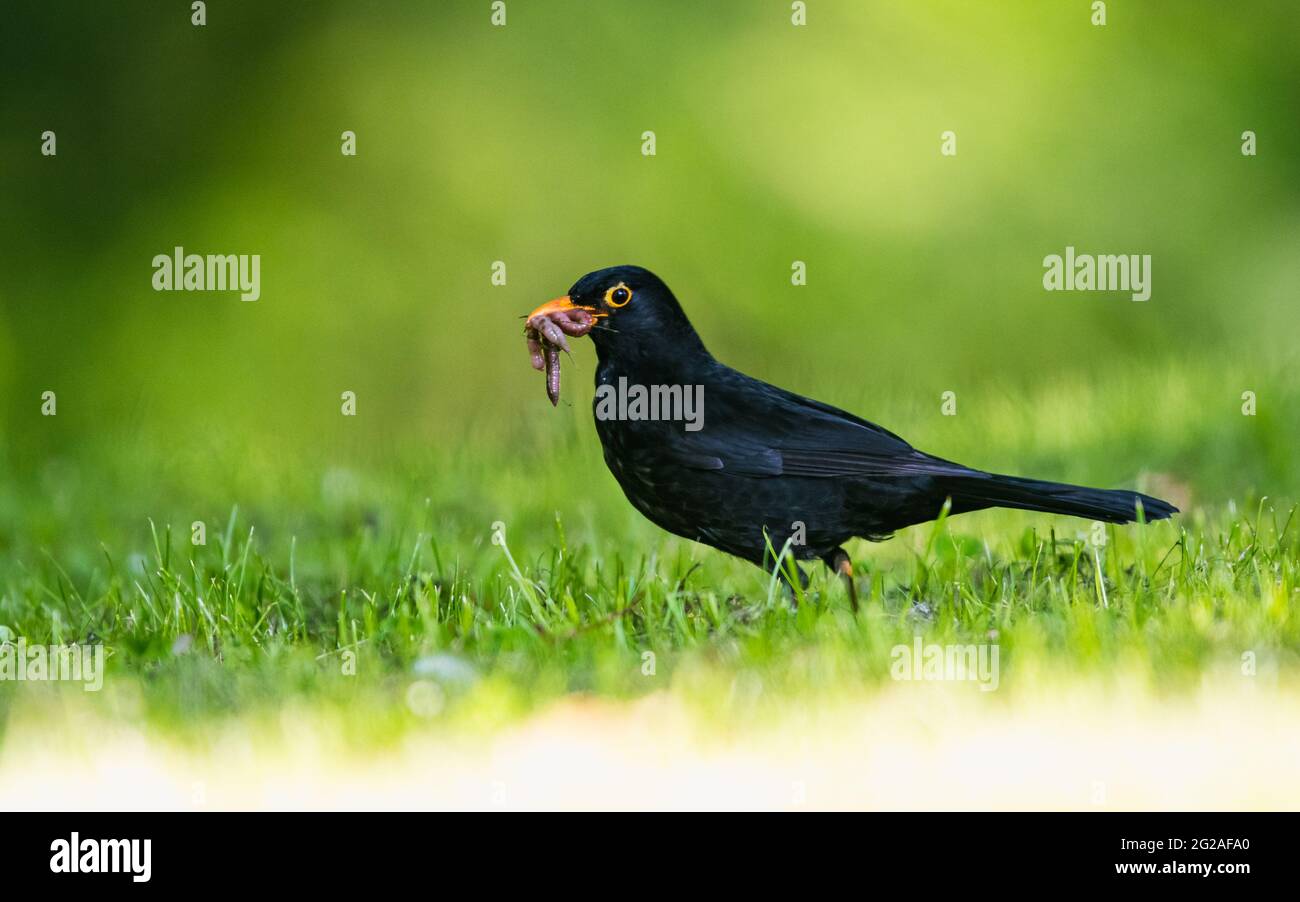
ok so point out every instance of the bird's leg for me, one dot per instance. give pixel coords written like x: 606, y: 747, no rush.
x: 838, y: 560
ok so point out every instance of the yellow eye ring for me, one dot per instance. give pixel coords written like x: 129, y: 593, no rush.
x: 618, y: 296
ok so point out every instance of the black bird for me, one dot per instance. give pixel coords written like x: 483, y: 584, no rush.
x: 763, y: 461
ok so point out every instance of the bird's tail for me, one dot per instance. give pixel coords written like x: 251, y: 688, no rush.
x: 983, y: 490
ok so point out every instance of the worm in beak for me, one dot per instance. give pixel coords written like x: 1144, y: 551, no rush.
x: 546, y: 330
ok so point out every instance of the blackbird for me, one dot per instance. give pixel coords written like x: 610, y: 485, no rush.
x: 756, y: 465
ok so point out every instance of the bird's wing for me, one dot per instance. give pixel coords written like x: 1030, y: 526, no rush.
x: 755, y: 429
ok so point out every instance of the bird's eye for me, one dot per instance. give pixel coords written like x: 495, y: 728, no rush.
x: 618, y: 296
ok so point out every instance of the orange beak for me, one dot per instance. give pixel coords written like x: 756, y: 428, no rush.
x: 558, y: 306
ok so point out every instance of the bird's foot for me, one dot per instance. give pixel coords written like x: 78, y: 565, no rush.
x: 839, y: 562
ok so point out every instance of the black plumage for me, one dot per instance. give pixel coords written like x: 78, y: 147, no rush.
x: 764, y: 460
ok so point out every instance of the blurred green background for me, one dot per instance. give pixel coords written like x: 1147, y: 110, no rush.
x: 522, y: 144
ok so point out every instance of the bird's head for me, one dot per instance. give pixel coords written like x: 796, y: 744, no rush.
x: 636, y: 314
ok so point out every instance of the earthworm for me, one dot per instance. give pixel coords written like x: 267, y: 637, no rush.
x: 545, y: 334
x: 551, y: 332
x: 553, y: 375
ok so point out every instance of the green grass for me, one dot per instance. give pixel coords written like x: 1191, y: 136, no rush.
x: 389, y: 557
